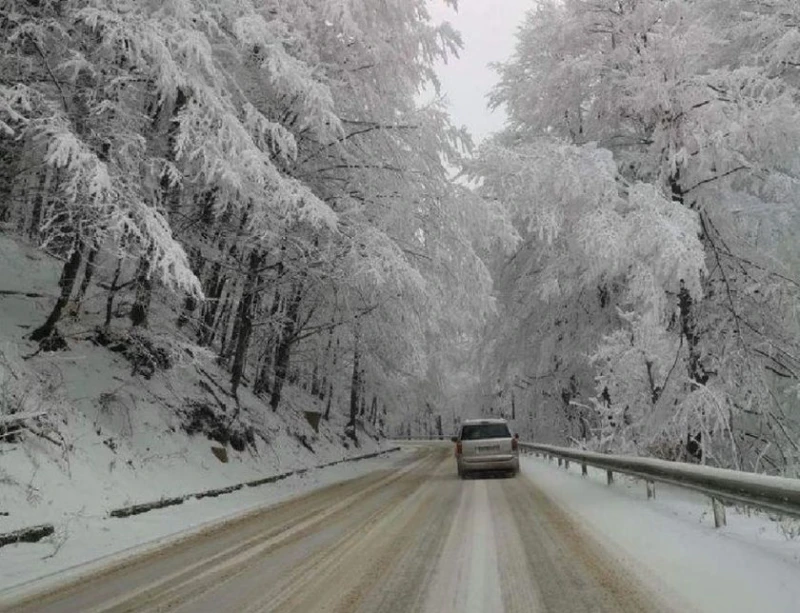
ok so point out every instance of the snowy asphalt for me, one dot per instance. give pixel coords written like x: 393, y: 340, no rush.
x: 413, y: 538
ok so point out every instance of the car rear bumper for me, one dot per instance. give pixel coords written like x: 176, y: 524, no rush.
x: 506, y: 462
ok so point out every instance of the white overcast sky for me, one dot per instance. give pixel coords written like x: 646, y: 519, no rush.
x: 487, y: 28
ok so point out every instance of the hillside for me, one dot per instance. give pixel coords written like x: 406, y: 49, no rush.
x: 84, y: 430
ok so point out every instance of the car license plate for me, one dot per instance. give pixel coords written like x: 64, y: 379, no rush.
x: 489, y: 448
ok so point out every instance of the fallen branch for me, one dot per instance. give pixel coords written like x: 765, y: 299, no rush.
x: 217, y: 385
x: 205, y: 386
x: 18, y: 417
x: 27, y: 535
x: 46, y: 437
x: 9, y: 292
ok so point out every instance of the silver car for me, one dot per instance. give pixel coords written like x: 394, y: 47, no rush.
x: 486, y: 445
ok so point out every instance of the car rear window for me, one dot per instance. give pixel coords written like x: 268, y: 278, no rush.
x: 472, y: 432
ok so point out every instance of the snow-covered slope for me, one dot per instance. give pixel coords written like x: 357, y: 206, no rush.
x: 670, y: 543
x: 104, y: 437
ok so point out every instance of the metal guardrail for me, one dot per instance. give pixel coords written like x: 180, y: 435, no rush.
x: 777, y: 494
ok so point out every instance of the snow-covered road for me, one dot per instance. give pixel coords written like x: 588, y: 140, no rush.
x: 670, y: 542
x: 411, y: 538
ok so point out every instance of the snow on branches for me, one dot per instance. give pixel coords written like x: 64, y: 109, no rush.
x: 136, y: 106
x: 266, y: 162
x: 694, y: 108
x: 595, y: 227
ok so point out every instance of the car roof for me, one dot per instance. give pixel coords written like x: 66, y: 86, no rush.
x: 494, y: 420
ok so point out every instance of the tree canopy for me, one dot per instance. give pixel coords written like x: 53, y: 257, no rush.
x: 650, y: 166
x: 267, y: 168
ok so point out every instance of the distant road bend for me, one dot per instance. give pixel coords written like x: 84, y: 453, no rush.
x: 414, y: 538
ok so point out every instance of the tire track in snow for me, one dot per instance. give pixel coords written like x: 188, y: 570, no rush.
x: 520, y: 591
x: 132, y: 584
x: 415, y: 539
x: 573, y: 573
x: 233, y: 575
x: 467, y: 578
x: 364, y: 570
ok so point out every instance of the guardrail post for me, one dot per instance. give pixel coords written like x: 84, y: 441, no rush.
x: 719, y: 513
x: 720, y: 485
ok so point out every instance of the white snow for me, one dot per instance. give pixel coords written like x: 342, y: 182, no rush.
x: 113, y: 438
x: 671, y: 544
x: 88, y: 543
x: 697, y: 472
x: 467, y: 576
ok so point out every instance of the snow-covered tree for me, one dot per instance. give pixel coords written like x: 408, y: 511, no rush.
x: 264, y: 169
x: 694, y: 104
x: 135, y: 113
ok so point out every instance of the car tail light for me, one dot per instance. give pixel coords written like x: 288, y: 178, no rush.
x: 459, y: 448
x: 514, y: 444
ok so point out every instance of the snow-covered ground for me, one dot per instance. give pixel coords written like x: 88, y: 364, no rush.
x: 86, y: 543
x: 750, y: 565
x: 467, y: 578
x: 104, y: 437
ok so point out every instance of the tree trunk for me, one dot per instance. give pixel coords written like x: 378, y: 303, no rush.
x: 697, y: 374
x: 140, y: 311
x: 67, y: 282
x: 213, y: 292
x: 689, y: 329
x: 212, y: 316
x: 315, y: 384
x: 355, y: 383
x: 247, y: 305
x: 88, y: 274
x: 675, y: 187
x: 112, y: 292
x: 190, y: 302
x: 373, y: 411
x: 189, y: 307
x: 230, y: 342
x: 326, y: 364
x: 10, y: 182
x: 262, y: 383
x: 38, y: 205
x: 283, y: 351
x: 223, y: 324
x: 333, y: 370
x: 327, y: 415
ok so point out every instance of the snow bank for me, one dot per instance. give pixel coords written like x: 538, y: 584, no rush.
x: 671, y: 544
x: 98, y: 436
x: 86, y: 543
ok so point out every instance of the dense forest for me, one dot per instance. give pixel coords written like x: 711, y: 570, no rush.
x: 617, y: 268
x: 263, y: 167
x: 650, y: 167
